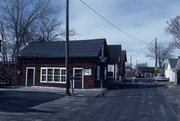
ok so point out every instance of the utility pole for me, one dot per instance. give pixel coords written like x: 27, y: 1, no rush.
x: 130, y: 60
x: 136, y: 64
x: 67, y: 49
x: 156, y: 56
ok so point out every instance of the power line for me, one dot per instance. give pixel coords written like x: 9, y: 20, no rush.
x: 139, y: 55
x: 140, y: 51
x: 110, y: 23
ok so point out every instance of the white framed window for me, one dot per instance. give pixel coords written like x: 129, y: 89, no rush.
x: 63, y: 75
x: 110, y: 70
x: 49, y: 75
x: 43, y: 75
x: 53, y: 75
x: 57, y: 75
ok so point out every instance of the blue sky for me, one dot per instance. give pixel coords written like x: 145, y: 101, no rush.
x: 143, y: 19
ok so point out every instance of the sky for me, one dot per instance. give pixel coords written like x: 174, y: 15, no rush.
x: 142, y: 19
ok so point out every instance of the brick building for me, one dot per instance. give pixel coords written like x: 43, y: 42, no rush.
x: 43, y: 63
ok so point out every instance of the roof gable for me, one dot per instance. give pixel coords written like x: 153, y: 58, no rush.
x: 178, y: 65
x: 114, y: 52
x: 77, y: 48
x: 173, y: 63
x: 123, y: 55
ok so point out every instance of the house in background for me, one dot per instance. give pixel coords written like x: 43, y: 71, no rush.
x: 114, y: 63
x: 43, y: 63
x: 123, y: 64
x: 130, y: 72
x: 145, y: 72
x: 170, y: 71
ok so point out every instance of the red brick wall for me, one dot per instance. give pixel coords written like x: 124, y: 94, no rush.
x: 86, y: 63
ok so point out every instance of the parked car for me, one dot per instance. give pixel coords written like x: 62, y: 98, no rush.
x: 4, y: 81
x: 161, y: 78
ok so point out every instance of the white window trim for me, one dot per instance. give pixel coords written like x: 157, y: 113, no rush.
x: 33, y: 75
x: 65, y: 76
x: 113, y: 70
x: 54, y: 82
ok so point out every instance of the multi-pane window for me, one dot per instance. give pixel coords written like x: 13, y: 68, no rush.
x: 56, y: 75
x: 50, y: 75
x: 53, y: 75
x: 63, y: 75
x: 43, y: 75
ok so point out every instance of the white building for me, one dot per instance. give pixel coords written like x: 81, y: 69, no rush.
x: 170, y: 71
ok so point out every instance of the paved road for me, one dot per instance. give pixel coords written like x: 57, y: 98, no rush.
x: 137, y: 102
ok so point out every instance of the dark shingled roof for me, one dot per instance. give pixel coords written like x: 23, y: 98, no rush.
x: 173, y: 63
x: 178, y: 64
x: 146, y: 69
x: 114, y: 52
x: 55, y: 49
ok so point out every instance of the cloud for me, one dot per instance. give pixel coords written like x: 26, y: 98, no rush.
x: 143, y: 19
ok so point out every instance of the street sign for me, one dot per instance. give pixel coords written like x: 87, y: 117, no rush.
x: 156, y: 68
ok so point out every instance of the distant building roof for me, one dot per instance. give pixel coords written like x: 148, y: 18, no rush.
x: 173, y: 63
x: 123, y: 55
x: 55, y: 49
x: 114, y: 52
x: 128, y: 68
x: 146, y: 69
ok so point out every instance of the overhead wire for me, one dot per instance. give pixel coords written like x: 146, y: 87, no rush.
x: 110, y: 23
x: 140, y: 51
x: 119, y: 29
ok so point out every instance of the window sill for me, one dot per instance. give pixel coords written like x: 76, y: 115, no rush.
x: 53, y: 82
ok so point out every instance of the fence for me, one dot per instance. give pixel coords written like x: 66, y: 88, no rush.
x: 9, y: 70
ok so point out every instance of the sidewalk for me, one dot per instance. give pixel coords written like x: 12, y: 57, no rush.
x: 77, y: 92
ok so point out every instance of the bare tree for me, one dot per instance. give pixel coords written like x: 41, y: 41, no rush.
x: 174, y: 29
x: 3, y: 42
x: 27, y: 20
x: 164, y: 51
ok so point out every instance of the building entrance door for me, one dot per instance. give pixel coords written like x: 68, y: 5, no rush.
x: 79, y: 78
x: 30, y: 76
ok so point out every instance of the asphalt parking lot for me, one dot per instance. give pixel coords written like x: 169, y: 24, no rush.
x: 21, y: 100
x: 41, y: 104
